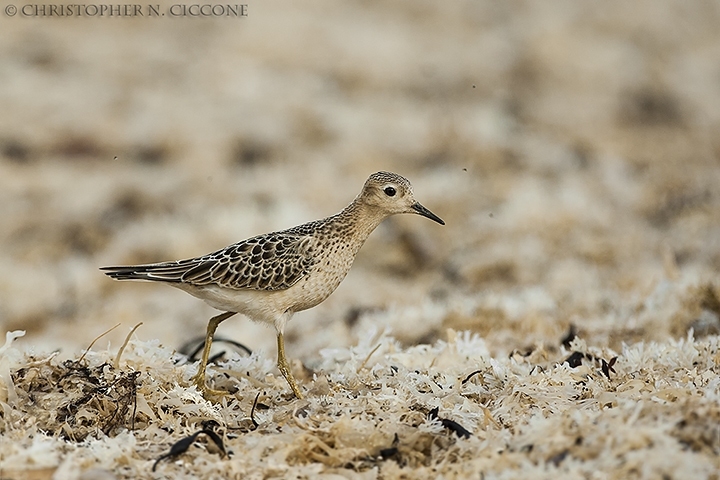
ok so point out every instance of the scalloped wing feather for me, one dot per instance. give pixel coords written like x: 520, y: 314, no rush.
x: 266, y: 262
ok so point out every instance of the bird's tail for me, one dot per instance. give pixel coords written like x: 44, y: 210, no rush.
x: 157, y: 272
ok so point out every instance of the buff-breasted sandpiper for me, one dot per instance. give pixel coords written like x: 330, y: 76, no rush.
x: 270, y: 277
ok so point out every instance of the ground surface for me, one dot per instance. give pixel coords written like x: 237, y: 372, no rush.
x: 571, y: 148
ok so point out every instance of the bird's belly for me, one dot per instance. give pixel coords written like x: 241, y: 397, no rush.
x: 259, y: 305
x: 267, y: 306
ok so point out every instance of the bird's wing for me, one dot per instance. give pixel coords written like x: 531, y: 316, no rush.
x: 266, y: 262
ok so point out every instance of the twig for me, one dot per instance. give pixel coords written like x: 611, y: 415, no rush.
x: 116, y: 363
x: 96, y: 339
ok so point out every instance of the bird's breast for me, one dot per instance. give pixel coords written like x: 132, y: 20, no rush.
x: 332, y: 264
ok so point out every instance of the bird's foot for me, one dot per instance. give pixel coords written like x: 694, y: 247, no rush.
x: 287, y: 373
x: 207, y: 392
x: 284, y: 368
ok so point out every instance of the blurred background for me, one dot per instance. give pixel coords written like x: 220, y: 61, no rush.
x: 571, y: 147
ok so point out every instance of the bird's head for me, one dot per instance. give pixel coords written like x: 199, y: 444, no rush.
x: 391, y: 193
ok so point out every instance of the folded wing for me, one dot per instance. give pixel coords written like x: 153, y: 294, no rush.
x: 266, y: 262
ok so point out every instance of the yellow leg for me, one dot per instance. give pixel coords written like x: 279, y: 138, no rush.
x: 199, y: 378
x: 285, y: 368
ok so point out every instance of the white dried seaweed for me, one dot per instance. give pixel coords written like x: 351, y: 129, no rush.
x: 368, y: 412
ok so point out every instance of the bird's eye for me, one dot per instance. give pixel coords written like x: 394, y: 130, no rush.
x: 390, y: 191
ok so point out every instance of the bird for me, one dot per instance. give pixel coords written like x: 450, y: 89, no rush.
x: 270, y: 277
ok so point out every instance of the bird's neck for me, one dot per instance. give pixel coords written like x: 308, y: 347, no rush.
x: 361, y: 219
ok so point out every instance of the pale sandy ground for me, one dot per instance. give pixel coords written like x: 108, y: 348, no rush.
x: 571, y: 147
